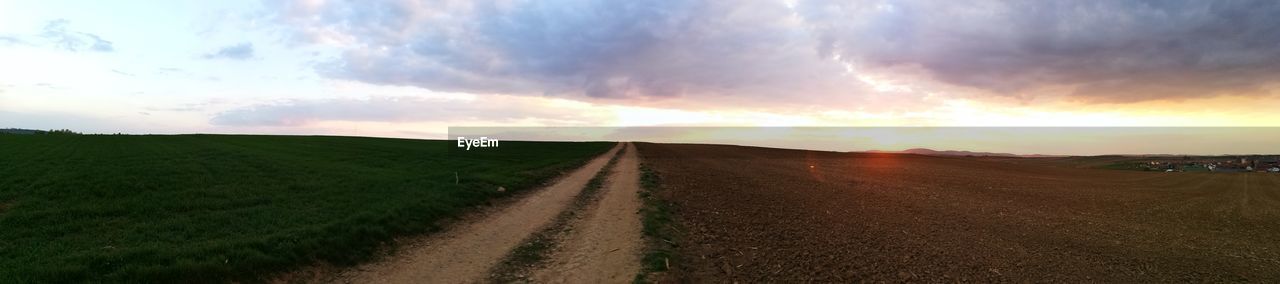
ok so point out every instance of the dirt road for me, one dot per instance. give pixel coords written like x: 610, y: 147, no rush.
x: 604, y: 244
x: 466, y: 252
x: 773, y: 215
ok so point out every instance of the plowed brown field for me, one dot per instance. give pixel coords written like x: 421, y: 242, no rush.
x: 772, y: 215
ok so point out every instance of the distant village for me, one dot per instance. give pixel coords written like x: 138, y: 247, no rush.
x: 1214, y: 164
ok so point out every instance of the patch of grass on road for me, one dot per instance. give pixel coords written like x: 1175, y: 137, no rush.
x: 659, y: 227
x: 217, y: 208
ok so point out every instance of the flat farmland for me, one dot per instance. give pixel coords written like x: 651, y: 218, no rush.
x: 218, y: 208
x: 751, y: 214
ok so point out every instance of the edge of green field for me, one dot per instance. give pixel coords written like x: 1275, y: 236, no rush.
x: 218, y: 208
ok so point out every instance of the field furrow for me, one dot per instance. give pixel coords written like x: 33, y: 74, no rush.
x: 774, y: 215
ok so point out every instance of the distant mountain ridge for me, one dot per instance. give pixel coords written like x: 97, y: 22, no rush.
x: 931, y: 152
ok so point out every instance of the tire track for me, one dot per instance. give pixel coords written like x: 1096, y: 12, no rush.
x: 604, y: 245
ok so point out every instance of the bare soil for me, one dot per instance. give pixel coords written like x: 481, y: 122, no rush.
x: 773, y: 215
x: 603, y: 245
x: 465, y: 252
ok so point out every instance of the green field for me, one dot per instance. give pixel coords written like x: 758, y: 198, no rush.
x: 213, y: 208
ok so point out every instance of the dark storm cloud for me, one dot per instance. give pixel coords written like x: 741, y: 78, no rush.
x: 1107, y: 50
x: 1104, y: 51
x: 241, y: 51
x: 592, y: 48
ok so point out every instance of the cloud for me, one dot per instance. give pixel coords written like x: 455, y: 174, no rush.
x: 241, y: 51
x: 188, y: 107
x: 803, y: 51
x: 170, y: 71
x: 10, y: 40
x: 400, y: 110
x: 1104, y: 51
x: 56, y: 33
x: 598, y: 49
x: 50, y: 86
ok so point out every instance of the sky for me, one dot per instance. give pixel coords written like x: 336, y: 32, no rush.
x: 399, y: 68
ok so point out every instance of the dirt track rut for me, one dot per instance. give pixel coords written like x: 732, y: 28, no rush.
x: 604, y: 245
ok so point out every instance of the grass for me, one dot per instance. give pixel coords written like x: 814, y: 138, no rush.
x: 658, y: 227
x: 537, y: 247
x: 217, y: 208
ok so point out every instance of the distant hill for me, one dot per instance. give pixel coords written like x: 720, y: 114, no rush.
x: 20, y: 131
x: 931, y: 152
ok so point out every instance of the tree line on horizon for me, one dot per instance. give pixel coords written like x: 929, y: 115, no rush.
x: 38, y: 132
